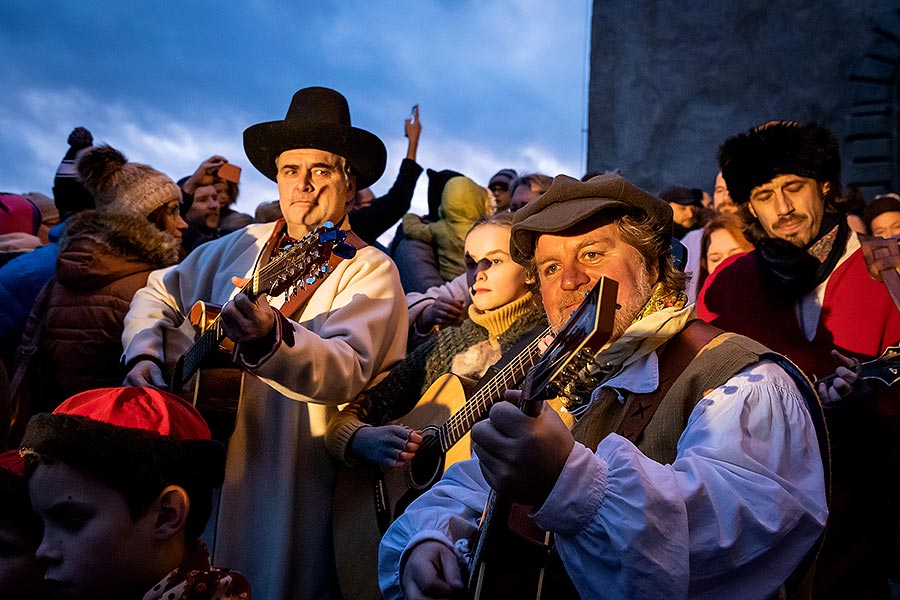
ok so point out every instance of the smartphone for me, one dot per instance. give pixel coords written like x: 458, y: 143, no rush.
x: 230, y: 172
x: 414, y: 113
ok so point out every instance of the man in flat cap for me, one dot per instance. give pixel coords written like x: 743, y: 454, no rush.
x: 300, y: 359
x: 719, y: 492
x: 805, y: 291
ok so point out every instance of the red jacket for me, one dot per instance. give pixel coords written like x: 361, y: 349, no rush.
x: 858, y: 316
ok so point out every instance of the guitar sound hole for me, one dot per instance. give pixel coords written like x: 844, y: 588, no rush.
x: 428, y: 463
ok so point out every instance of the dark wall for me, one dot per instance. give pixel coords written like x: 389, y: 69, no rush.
x: 670, y: 80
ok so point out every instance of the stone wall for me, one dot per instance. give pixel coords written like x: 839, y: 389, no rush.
x: 670, y: 80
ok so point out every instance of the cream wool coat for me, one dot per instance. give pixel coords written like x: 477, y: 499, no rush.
x: 274, y: 519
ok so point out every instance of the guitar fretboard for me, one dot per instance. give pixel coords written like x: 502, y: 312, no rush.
x: 507, y: 378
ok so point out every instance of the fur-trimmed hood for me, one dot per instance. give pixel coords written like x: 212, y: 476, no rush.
x: 100, y: 244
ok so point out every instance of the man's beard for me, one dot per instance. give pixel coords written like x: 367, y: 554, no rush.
x: 632, y: 306
x: 628, y: 310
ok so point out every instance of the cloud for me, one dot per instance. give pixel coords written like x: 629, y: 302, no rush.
x: 500, y: 84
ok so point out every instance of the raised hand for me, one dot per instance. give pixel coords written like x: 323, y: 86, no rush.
x: 412, y: 129
x: 205, y: 173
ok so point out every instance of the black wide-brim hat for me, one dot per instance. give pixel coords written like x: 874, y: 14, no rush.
x: 317, y: 118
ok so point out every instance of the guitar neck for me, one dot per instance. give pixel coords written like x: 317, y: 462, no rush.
x: 205, y: 344
x: 507, y: 378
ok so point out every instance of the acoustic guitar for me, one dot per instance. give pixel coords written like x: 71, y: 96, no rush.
x: 510, y: 552
x: 206, y: 374
x: 368, y: 499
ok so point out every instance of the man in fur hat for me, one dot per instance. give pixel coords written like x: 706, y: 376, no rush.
x: 712, y: 486
x: 301, y: 359
x: 805, y: 291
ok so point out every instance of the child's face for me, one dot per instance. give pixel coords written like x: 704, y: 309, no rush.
x: 20, y: 575
x: 91, y: 548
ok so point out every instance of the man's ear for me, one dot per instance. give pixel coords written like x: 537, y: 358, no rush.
x: 751, y: 209
x: 826, y: 187
x: 172, y: 506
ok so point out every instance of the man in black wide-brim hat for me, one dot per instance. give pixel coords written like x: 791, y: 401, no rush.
x: 301, y: 357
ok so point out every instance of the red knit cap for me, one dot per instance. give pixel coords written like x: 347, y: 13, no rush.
x: 142, y: 408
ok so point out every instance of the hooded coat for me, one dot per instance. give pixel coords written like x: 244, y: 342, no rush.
x: 104, y: 259
x: 463, y: 202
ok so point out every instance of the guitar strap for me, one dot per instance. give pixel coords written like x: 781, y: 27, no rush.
x: 676, y: 355
x: 882, y: 256
x: 299, y: 300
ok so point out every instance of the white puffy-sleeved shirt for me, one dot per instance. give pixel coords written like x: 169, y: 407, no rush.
x: 731, y: 517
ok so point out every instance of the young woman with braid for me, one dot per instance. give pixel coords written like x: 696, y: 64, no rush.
x: 503, y: 310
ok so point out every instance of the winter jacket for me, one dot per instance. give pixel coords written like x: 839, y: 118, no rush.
x: 104, y: 259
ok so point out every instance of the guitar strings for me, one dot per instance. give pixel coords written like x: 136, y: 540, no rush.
x: 462, y: 421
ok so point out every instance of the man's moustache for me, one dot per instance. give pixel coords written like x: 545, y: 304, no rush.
x: 785, y: 222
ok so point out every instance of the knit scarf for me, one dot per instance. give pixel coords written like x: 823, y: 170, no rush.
x: 665, y: 314
x: 790, y: 272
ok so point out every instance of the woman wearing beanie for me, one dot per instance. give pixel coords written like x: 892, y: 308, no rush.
x: 105, y: 256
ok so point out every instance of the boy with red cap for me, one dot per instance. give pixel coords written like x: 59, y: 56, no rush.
x: 122, y: 479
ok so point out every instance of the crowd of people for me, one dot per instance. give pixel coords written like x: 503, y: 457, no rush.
x: 726, y: 440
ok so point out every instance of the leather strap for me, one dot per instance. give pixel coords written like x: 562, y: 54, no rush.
x: 676, y: 355
x: 883, y: 259
x: 299, y: 300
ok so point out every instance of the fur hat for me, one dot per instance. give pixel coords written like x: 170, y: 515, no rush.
x: 317, y: 118
x: 135, y: 440
x: 122, y: 186
x: 68, y: 193
x: 569, y: 202
x: 757, y: 156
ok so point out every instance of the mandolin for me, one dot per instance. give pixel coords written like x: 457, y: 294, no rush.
x: 510, y: 552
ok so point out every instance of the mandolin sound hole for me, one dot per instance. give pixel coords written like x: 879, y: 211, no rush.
x: 427, y: 465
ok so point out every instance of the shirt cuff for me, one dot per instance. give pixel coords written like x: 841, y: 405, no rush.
x: 250, y: 355
x: 338, y: 439
x: 577, y: 494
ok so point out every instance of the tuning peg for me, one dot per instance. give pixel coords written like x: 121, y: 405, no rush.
x: 310, y: 280
x: 344, y: 250
x: 326, y: 269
